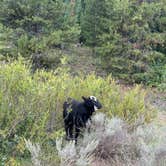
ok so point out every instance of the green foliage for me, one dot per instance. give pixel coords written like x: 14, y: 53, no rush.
x: 35, y: 27
x: 31, y: 104
x: 6, y: 45
x: 34, y: 16
x: 134, y: 47
x: 128, y: 36
x: 94, y: 21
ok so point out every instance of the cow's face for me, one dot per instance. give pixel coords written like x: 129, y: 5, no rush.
x: 96, y: 103
x: 92, y: 101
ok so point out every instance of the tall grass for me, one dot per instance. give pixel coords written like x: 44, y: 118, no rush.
x: 31, y: 104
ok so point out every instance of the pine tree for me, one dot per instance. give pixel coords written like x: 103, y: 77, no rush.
x: 94, y: 21
x: 134, y: 48
x: 38, y: 25
x: 33, y: 16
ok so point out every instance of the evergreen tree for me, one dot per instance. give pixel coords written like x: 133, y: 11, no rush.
x: 33, y: 16
x: 94, y: 21
x: 38, y: 25
x: 134, y: 48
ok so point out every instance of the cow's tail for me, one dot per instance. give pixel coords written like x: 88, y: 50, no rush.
x: 65, y: 107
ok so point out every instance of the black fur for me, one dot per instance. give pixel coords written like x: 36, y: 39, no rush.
x: 76, y: 114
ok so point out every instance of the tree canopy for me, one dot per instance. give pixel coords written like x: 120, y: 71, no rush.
x: 128, y: 37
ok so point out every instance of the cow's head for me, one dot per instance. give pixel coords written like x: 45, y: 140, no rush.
x: 92, y: 101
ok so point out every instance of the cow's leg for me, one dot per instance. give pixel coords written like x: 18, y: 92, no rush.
x: 88, y: 125
x: 77, y: 131
x: 71, y: 132
x: 67, y: 131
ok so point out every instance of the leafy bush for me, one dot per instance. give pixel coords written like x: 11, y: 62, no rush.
x: 31, y: 104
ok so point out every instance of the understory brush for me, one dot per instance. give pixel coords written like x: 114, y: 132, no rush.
x: 31, y: 105
x: 111, y: 142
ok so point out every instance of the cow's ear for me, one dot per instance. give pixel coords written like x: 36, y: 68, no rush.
x: 84, y: 98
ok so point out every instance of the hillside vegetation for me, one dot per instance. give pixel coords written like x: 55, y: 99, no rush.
x: 127, y: 38
x: 31, y: 105
x: 113, y: 142
x: 51, y: 50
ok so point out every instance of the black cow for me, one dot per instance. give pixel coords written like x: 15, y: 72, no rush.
x: 76, y: 114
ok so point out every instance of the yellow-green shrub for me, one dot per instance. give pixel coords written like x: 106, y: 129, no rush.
x: 31, y: 104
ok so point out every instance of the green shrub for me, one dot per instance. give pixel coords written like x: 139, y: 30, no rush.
x: 31, y: 104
